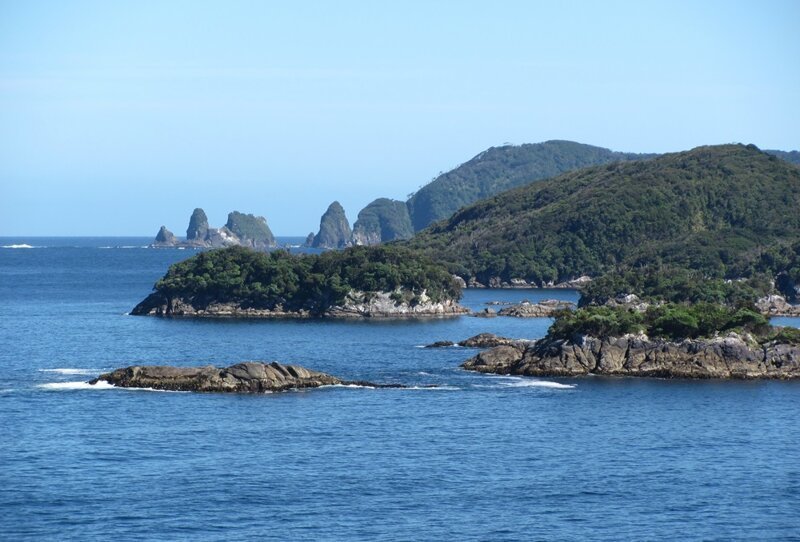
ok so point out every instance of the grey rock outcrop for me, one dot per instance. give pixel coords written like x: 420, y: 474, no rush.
x: 731, y: 356
x: 247, y: 377
x: 334, y: 229
x: 356, y: 305
x: 165, y: 238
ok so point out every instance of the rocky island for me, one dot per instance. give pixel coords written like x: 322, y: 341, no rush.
x: 247, y: 377
x: 670, y: 341
x: 359, y: 282
x: 240, y: 230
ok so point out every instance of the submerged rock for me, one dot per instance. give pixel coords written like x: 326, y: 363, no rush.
x: 247, y: 377
x: 732, y: 356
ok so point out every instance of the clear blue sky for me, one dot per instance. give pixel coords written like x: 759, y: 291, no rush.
x: 117, y: 117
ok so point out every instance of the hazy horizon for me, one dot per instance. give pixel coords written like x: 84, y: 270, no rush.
x: 117, y: 118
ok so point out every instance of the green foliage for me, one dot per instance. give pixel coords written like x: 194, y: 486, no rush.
x: 307, y: 282
x: 713, y: 210
x: 670, y: 321
x: 596, y: 321
x: 674, y: 285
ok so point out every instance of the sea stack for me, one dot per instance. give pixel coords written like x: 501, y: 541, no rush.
x: 334, y: 229
x: 198, y: 226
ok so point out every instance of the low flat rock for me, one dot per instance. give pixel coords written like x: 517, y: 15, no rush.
x: 247, y: 377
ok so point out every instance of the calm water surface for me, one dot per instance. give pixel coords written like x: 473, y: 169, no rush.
x: 479, y: 458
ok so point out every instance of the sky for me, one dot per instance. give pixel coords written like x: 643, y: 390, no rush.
x: 118, y: 117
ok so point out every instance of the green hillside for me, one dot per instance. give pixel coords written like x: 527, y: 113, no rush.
x: 720, y: 210
x: 499, y: 169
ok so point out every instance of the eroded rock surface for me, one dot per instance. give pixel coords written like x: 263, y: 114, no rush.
x: 731, y: 356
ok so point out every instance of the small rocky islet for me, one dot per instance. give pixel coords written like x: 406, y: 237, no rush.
x: 246, y: 377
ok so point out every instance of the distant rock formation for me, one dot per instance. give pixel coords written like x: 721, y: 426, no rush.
x: 247, y: 377
x: 309, y: 240
x: 165, y: 238
x: 381, y: 221
x: 251, y: 230
x: 731, y: 356
x: 334, y: 229
x: 198, y: 226
x: 240, y: 230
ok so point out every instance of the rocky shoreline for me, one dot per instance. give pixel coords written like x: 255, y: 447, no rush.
x: 247, y: 377
x: 728, y: 357
x: 358, y: 305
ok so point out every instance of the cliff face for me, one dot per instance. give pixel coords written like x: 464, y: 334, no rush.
x: 334, y: 229
x: 723, y: 357
x: 381, y: 221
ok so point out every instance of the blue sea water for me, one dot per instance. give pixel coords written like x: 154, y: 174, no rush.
x: 478, y: 458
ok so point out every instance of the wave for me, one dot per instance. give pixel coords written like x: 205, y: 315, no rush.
x: 101, y: 385
x: 72, y: 371
x: 23, y: 245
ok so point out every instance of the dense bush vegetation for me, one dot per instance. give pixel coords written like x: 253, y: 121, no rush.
x: 675, y: 285
x: 670, y: 320
x: 502, y: 168
x: 715, y: 210
x: 310, y: 282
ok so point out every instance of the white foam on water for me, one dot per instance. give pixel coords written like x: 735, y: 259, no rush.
x: 71, y: 371
x: 527, y: 382
x: 348, y: 386
x: 432, y: 388
x: 18, y: 246
x: 101, y: 385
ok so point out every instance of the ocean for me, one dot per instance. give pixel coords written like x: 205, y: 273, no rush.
x: 477, y: 458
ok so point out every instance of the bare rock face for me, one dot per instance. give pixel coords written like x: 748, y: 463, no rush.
x: 732, y: 356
